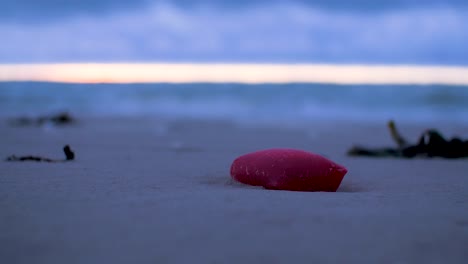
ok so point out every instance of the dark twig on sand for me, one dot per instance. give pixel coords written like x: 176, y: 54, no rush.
x: 69, y: 156
x: 396, y: 136
x: 58, y: 119
x: 431, y: 144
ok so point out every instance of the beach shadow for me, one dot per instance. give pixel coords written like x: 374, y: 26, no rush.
x: 350, y: 187
x: 347, y: 187
x: 226, y: 181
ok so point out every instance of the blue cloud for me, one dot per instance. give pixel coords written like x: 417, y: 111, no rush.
x: 283, y: 32
x: 45, y: 10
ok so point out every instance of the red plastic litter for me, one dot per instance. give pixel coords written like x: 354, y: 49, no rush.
x: 288, y: 169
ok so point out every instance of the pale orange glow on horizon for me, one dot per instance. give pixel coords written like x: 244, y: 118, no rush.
x: 238, y: 73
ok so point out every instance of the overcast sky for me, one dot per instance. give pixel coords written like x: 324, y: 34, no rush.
x: 323, y: 31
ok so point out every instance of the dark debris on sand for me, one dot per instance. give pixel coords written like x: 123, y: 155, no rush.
x: 59, y: 119
x: 431, y: 144
x: 69, y: 156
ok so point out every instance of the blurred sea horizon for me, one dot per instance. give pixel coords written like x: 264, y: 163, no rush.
x: 289, y: 103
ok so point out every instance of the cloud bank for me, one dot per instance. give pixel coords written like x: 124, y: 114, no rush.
x: 46, y: 10
x: 282, y: 32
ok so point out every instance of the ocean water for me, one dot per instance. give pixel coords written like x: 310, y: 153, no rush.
x: 285, y: 103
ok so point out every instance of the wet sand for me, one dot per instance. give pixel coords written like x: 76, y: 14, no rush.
x: 158, y: 191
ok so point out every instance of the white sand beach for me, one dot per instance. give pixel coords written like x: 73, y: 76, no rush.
x: 156, y: 191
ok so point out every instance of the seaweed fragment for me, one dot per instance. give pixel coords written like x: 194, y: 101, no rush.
x: 59, y: 119
x: 69, y: 156
x: 431, y: 143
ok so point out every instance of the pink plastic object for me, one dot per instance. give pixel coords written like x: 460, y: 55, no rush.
x: 288, y: 169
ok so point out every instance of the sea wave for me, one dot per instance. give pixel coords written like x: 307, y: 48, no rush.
x: 241, y: 102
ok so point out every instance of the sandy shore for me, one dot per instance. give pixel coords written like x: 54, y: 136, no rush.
x: 152, y: 191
